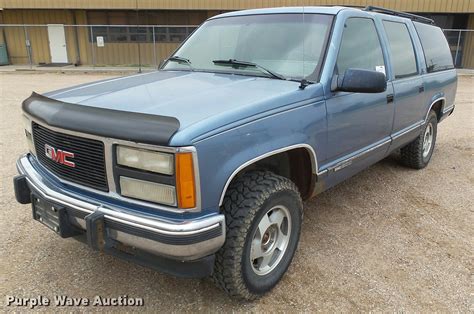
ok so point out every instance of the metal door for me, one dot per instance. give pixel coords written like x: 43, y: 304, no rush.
x: 57, y: 43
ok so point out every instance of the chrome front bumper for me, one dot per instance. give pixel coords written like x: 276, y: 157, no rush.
x: 184, y: 241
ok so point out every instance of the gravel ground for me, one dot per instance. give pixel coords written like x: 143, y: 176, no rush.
x: 390, y: 239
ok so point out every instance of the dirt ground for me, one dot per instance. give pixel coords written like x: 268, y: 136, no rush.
x: 389, y: 239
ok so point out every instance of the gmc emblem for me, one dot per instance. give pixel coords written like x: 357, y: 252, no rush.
x: 59, y: 156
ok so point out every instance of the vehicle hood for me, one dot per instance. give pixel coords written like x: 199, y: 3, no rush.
x: 204, y: 101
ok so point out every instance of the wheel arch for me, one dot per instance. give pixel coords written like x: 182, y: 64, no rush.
x: 437, y: 105
x: 293, y: 152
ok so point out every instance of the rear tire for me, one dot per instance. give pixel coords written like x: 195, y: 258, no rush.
x: 418, y: 153
x: 263, y: 217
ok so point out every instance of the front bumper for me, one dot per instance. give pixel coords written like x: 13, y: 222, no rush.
x: 153, y: 240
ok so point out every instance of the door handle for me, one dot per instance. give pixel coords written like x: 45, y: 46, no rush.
x: 389, y: 98
x: 421, y: 89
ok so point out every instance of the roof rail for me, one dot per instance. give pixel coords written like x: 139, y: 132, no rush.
x: 413, y: 17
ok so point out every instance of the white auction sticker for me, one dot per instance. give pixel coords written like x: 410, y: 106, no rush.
x: 380, y: 68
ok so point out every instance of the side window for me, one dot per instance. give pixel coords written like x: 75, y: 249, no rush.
x: 360, y: 47
x: 401, y: 49
x: 435, y: 47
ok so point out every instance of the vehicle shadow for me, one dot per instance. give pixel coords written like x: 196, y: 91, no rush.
x: 112, y: 276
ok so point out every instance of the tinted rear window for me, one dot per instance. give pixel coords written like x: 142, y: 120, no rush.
x: 401, y: 49
x: 435, y: 47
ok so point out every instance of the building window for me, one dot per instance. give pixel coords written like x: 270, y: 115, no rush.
x: 117, y: 34
x: 120, y: 26
x: 143, y: 34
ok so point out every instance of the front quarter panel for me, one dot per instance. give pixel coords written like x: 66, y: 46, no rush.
x: 222, y: 154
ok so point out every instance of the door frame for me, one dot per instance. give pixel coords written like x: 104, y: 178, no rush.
x: 57, y: 56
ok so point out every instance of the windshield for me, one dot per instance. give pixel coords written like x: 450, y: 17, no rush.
x: 289, y: 45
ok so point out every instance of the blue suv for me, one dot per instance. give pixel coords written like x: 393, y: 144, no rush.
x: 201, y: 168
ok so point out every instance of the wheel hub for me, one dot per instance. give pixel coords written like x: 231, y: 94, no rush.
x: 427, y: 140
x: 270, y: 240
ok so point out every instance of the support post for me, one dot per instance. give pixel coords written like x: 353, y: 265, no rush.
x: 457, y: 50
x: 92, y: 46
x: 154, y: 48
x: 28, y: 46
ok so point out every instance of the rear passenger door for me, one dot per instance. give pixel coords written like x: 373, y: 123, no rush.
x: 407, y: 83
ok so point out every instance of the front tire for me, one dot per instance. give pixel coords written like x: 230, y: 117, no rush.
x: 418, y: 153
x: 263, y: 217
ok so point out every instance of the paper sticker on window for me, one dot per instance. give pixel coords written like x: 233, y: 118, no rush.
x: 380, y: 68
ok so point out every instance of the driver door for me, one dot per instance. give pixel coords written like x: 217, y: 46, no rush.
x: 359, y: 124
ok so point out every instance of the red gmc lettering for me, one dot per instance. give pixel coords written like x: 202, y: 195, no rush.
x: 59, y: 156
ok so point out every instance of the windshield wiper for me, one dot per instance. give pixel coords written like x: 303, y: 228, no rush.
x: 181, y: 60
x: 237, y: 63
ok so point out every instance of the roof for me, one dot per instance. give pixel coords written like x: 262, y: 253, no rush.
x: 321, y: 10
x: 334, y: 10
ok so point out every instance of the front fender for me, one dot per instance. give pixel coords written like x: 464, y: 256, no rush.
x: 222, y: 156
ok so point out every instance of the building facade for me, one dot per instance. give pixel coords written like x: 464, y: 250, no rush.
x: 131, y: 32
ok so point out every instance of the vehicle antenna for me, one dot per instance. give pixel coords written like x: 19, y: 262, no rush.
x: 138, y: 41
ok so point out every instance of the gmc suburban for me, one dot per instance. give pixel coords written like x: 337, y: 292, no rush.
x: 200, y: 168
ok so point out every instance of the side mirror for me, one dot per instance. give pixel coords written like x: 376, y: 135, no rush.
x: 360, y: 81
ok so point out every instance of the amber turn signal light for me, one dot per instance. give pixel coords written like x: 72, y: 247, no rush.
x: 185, y: 181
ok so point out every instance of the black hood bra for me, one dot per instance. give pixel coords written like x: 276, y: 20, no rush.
x: 124, y: 125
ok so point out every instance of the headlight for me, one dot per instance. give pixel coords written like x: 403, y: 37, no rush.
x: 148, y: 191
x: 28, y: 132
x: 145, y: 160
x: 179, y: 190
